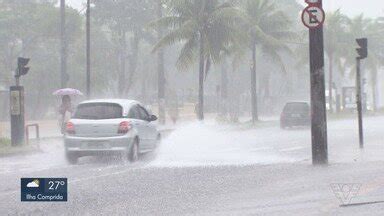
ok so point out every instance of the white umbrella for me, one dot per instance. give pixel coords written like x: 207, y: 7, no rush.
x: 67, y: 91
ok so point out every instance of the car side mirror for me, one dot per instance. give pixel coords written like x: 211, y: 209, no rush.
x: 152, y: 118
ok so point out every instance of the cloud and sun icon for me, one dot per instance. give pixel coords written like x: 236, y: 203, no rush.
x: 34, y: 184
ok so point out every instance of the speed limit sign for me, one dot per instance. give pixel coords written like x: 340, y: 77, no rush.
x: 313, y: 16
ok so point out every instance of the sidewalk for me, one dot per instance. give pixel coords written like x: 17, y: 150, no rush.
x: 48, y: 129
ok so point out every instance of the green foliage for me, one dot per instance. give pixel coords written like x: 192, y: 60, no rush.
x: 360, y: 26
x: 126, y: 23
x: 31, y: 28
x: 340, y: 33
x: 125, y: 30
x: 5, y: 142
x: 335, y: 34
x: 270, y: 28
x: 191, y: 21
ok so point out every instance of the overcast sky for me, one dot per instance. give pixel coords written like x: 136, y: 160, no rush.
x: 372, y: 8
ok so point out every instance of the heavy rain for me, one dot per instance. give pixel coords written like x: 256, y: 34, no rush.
x: 191, y: 107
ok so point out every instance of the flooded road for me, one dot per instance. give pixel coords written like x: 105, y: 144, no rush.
x: 205, y: 169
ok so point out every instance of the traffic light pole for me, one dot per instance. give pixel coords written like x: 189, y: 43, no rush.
x: 362, y: 52
x: 359, y: 102
x: 16, y: 108
x: 318, y: 107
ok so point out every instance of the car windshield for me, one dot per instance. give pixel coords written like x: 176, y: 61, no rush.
x: 98, y: 111
x: 296, y: 108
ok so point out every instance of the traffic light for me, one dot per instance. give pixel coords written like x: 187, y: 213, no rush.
x: 362, y: 51
x: 21, y: 67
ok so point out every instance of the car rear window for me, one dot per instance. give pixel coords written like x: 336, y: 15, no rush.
x: 296, y: 108
x: 98, y: 111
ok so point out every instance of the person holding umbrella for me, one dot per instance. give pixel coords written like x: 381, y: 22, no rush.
x: 66, y: 107
x: 65, y: 110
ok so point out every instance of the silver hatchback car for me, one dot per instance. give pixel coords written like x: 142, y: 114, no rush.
x: 110, y: 126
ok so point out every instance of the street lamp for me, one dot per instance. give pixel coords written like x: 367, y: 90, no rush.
x: 63, y: 47
x: 88, y: 49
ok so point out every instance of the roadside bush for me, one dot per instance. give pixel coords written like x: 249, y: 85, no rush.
x: 4, y: 142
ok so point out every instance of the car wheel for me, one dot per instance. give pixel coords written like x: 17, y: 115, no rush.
x: 71, y: 158
x: 133, y: 154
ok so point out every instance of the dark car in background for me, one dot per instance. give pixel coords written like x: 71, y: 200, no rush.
x: 295, y: 114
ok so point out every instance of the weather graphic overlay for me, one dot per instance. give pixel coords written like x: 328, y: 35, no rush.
x: 44, y: 189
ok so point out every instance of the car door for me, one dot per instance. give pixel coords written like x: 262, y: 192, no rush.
x: 140, y: 125
x: 150, y: 127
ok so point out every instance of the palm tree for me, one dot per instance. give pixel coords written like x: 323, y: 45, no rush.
x: 335, y: 45
x: 360, y: 26
x: 126, y: 21
x: 376, y: 46
x: 206, y: 28
x: 269, y: 29
x: 234, y: 52
x: 160, y: 68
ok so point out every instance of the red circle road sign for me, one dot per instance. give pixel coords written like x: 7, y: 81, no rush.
x: 313, y: 17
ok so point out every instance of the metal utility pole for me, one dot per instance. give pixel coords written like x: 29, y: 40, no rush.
x: 254, y: 105
x: 63, y: 49
x: 160, y: 69
x: 359, y: 103
x: 330, y: 85
x: 88, y: 38
x: 363, y: 53
x: 313, y: 17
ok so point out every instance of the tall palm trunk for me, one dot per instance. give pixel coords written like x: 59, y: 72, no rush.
x: 123, y: 57
x: 267, y: 95
x: 374, y: 91
x: 330, y: 84
x: 200, y: 108
x: 254, y: 85
x: 160, y: 69
x: 233, y: 96
x: 133, y: 58
x: 224, y: 89
x: 144, y: 89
